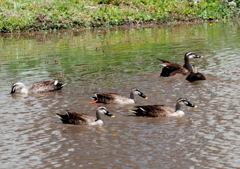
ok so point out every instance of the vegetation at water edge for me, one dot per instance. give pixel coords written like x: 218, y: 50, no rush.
x: 25, y: 15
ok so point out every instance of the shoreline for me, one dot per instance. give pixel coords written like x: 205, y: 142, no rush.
x: 25, y: 16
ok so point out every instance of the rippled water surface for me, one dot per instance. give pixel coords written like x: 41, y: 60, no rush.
x: 117, y: 60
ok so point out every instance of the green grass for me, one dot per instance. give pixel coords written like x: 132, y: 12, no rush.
x: 28, y: 15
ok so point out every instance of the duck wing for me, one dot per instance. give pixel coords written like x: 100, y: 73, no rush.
x: 164, y: 61
x: 45, y: 86
x: 76, y: 118
x: 171, y: 69
x: 106, y: 97
x: 153, y: 110
x: 195, y: 76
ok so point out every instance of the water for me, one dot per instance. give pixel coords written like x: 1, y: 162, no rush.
x: 117, y: 60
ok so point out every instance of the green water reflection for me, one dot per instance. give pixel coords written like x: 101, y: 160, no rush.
x: 107, y: 53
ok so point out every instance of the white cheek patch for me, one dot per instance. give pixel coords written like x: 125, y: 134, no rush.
x: 191, y: 56
x: 56, y: 82
x: 101, y: 111
x: 136, y: 92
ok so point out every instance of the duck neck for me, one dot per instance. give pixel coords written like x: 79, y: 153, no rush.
x: 178, y: 106
x: 132, y: 97
x: 98, y: 116
x: 194, y: 69
x: 187, y: 64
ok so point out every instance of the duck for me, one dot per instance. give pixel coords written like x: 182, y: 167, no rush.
x: 114, y: 98
x: 195, y: 75
x: 84, y: 119
x: 163, y: 110
x: 171, y: 69
x: 37, y: 87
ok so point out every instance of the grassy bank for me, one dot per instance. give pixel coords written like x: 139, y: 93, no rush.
x: 28, y: 15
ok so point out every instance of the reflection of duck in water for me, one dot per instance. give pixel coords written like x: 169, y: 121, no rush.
x: 162, y: 110
x: 195, y: 75
x: 37, y: 87
x: 115, y: 98
x: 171, y: 69
x: 81, y: 118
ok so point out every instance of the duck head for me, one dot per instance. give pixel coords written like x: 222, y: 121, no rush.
x: 181, y: 101
x: 103, y: 110
x: 136, y: 91
x: 190, y: 55
x: 17, y: 86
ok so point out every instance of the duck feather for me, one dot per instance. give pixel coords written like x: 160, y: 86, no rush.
x: 76, y: 118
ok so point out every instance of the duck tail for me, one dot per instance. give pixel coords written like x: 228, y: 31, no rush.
x: 59, y: 85
x: 164, y: 61
x: 59, y: 115
x: 63, y: 84
x: 94, y: 98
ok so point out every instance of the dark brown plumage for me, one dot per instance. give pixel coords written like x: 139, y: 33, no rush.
x: 37, y: 87
x: 171, y: 69
x: 114, y: 98
x: 81, y: 118
x: 162, y: 110
x: 195, y: 75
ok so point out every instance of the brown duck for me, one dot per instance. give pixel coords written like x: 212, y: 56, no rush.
x: 81, y: 118
x: 171, y: 69
x: 195, y: 75
x: 37, y: 87
x: 162, y: 110
x: 114, y: 98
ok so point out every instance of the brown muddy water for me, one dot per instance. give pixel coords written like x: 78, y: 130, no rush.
x: 117, y: 60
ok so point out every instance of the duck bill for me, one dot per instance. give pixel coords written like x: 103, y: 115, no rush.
x: 192, y: 105
x: 110, y: 114
x: 197, y: 56
x: 143, y: 96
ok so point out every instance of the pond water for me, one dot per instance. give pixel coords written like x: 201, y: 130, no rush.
x: 117, y: 60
